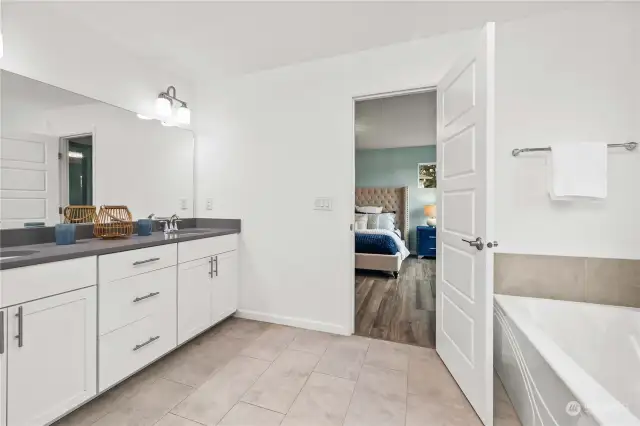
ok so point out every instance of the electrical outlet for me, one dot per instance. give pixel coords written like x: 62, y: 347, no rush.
x: 183, y: 203
x: 209, y: 203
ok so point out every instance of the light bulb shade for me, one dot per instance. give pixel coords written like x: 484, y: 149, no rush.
x: 163, y: 107
x: 183, y: 115
x: 430, y: 210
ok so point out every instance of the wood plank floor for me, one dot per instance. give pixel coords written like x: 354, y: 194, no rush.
x: 399, y: 310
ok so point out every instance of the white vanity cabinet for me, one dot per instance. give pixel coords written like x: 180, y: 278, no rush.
x: 52, y: 366
x: 49, y: 361
x: 207, y: 283
x: 224, y: 294
x: 137, y: 310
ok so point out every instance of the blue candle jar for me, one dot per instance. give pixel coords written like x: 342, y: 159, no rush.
x: 65, y: 233
x: 145, y: 227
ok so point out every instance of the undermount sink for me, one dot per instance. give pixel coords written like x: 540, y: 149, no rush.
x: 8, y: 254
x: 192, y: 231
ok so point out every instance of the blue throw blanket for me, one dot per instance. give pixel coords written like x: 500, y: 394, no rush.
x: 375, y: 244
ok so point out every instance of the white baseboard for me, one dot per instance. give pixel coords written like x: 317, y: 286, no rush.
x: 293, y: 322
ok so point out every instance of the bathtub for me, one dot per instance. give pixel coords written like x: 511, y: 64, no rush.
x: 568, y: 363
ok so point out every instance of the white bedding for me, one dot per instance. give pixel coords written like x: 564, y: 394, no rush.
x: 404, y: 252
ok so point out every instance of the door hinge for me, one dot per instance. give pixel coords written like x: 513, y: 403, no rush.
x: 59, y: 156
x: 59, y: 210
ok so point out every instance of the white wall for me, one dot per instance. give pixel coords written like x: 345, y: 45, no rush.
x: 560, y: 78
x: 45, y: 46
x: 276, y: 140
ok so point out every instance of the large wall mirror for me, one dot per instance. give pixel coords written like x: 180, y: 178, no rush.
x: 59, y: 148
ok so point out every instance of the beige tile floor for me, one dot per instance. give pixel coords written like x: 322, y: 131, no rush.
x: 245, y: 373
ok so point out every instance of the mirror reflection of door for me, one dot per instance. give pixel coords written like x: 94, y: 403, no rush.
x: 76, y: 171
x: 80, y: 171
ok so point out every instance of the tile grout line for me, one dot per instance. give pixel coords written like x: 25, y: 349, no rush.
x: 302, y: 387
x: 356, y: 383
x: 177, y: 415
x: 259, y: 406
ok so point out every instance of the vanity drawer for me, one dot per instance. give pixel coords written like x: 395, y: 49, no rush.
x: 197, y: 249
x: 128, y: 349
x: 130, y: 299
x: 28, y: 283
x: 134, y: 262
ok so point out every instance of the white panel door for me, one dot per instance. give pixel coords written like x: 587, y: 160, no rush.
x: 194, y: 297
x: 224, y: 296
x: 464, y: 283
x: 52, y: 366
x: 28, y: 180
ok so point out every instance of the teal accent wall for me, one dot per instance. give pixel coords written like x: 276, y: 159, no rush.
x: 398, y: 167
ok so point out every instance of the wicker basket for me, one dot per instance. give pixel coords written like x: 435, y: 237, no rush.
x: 79, y: 214
x: 113, y: 222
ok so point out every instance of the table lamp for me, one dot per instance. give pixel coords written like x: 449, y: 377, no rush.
x: 430, y: 213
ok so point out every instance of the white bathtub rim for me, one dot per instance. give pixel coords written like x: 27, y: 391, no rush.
x: 606, y: 409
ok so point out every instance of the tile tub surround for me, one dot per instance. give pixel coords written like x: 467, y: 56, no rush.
x: 46, y: 234
x: 315, y: 379
x: 578, y: 279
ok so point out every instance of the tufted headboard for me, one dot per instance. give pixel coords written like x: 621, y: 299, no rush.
x: 391, y: 200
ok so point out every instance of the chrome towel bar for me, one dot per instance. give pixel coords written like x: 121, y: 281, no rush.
x: 629, y: 146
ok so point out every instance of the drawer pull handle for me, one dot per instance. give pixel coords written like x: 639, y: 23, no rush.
x: 19, y: 336
x: 433, y: 237
x: 216, y: 271
x: 142, y: 262
x: 1, y: 332
x: 137, y: 299
x: 142, y: 345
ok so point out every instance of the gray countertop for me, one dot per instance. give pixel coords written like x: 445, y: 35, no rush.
x: 50, y: 252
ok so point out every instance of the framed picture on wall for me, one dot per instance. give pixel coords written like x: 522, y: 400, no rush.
x: 427, y: 175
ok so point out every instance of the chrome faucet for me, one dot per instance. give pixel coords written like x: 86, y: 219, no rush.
x: 173, y: 223
x: 170, y: 224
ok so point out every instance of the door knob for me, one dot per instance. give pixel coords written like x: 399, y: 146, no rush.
x: 492, y: 244
x: 477, y: 243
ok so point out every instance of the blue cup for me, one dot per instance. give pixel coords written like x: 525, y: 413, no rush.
x: 145, y: 227
x: 65, y: 233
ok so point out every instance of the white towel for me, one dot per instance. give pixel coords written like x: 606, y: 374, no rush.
x: 578, y: 171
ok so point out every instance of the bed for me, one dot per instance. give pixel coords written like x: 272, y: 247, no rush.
x: 391, y: 200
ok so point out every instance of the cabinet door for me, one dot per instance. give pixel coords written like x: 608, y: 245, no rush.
x: 3, y: 366
x: 194, y: 297
x: 53, y: 356
x: 224, y: 297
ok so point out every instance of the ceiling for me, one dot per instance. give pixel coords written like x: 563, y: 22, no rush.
x: 221, y: 39
x: 396, y: 122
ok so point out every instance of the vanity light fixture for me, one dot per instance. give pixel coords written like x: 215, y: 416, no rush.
x: 164, y: 106
x: 74, y: 154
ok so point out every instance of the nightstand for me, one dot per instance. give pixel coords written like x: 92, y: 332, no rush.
x: 426, y: 240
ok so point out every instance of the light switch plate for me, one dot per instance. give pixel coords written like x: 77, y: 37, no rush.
x: 183, y: 203
x: 323, y: 203
x: 209, y: 203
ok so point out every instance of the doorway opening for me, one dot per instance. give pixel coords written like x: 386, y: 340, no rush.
x: 395, y: 243
x: 77, y: 171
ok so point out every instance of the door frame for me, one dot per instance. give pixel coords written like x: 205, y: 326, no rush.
x: 64, y: 167
x: 355, y: 99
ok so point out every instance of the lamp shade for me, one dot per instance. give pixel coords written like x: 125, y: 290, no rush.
x: 430, y: 210
x: 163, y: 107
x: 183, y: 116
